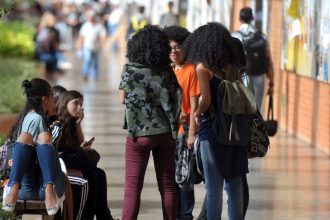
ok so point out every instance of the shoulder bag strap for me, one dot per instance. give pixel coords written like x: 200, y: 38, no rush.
x: 270, y: 108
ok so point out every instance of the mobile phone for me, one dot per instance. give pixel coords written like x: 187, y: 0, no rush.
x: 90, y: 141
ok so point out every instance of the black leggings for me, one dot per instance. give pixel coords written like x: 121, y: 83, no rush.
x: 96, y: 203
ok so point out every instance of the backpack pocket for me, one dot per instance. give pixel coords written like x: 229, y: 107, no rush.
x: 232, y: 130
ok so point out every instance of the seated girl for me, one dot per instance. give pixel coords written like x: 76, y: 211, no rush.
x: 36, y: 172
x: 78, y: 154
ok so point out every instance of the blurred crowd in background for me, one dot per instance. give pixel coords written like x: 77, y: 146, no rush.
x: 47, y: 31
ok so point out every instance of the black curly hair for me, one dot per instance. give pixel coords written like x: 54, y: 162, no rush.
x: 246, y: 15
x: 149, y: 46
x: 238, y: 53
x: 176, y: 33
x: 210, y: 45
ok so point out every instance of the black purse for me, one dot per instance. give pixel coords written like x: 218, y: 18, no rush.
x: 259, y: 144
x: 271, y: 123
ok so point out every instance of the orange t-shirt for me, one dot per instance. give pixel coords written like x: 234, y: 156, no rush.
x: 188, y: 81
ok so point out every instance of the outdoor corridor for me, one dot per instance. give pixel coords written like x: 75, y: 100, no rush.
x: 291, y: 182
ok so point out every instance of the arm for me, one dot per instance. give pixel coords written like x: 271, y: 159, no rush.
x: 103, y: 40
x: 79, y: 42
x: 121, y: 95
x: 170, y: 98
x: 204, y: 75
x: 80, y: 134
x: 102, y: 37
x: 192, y: 122
x: 270, y: 73
x: 56, y: 131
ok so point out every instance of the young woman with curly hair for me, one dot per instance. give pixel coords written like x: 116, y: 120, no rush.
x: 209, y: 47
x: 152, y: 98
x: 187, y: 78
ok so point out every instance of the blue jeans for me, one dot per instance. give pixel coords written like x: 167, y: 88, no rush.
x: 214, y: 183
x: 187, y: 199
x: 90, y: 63
x: 33, y: 176
x: 259, y: 86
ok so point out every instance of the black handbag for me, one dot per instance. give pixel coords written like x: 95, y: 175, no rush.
x: 259, y: 144
x: 271, y: 123
x: 186, y: 174
x: 184, y: 165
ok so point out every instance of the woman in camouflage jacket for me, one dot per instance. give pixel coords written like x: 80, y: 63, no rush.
x: 152, y: 98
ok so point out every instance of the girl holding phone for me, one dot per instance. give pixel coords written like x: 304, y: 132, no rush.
x: 78, y: 154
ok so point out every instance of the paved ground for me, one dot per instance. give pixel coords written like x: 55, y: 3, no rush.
x: 292, y: 182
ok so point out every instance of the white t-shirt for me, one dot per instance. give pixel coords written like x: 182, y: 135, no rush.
x: 245, y: 29
x: 91, y: 34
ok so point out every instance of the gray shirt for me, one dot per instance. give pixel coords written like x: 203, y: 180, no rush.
x: 33, y: 124
x: 168, y: 20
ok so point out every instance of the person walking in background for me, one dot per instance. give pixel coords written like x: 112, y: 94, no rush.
x: 92, y: 37
x: 34, y: 143
x: 73, y: 26
x: 258, y: 56
x: 169, y: 18
x: 223, y: 165
x: 187, y: 78
x: 137, y: 22
x: 152, y: 97
x: 114, y: 18
x: 47, y: 41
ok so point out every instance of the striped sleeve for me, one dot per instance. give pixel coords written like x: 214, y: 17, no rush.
x: 55, y: 129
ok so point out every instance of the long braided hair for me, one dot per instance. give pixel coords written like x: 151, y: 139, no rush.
x: 34, y: 91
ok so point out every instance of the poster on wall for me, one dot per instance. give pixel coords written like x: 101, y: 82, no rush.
x: 306, y: 38
x: 323, y: 46
x: 300, y: 36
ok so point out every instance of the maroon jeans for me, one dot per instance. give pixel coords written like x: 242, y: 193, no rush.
x: 136, y: 159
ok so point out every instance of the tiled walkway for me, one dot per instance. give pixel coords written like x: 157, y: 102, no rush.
x: 292, y: 182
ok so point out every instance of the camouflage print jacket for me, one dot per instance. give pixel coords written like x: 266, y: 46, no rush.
x: 152, y: 100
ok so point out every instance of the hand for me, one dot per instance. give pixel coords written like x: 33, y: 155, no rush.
x: 190, y: 141
x: 80, y: 116
x: 270, y: 89
x: 86, y: 146
x: 183, y: 118
x: 197, y: 118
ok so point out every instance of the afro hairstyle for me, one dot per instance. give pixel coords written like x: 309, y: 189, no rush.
x: 210, y: 45
x: 149, y: 46
x: 238, y: 53
x: 176, y: 33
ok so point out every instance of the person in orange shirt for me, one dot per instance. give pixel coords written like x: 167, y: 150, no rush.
x: 187, y: 78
